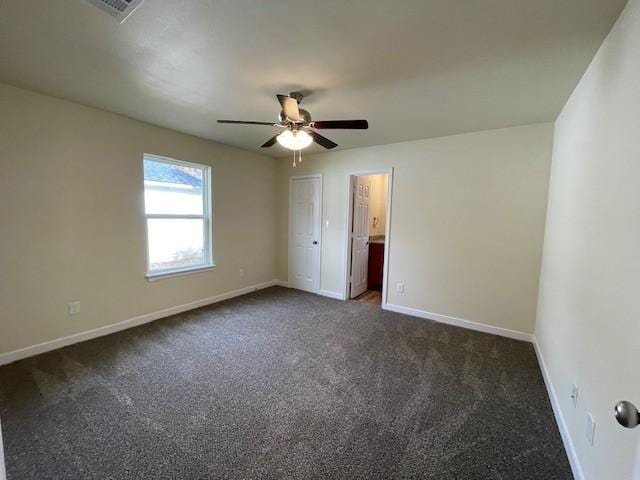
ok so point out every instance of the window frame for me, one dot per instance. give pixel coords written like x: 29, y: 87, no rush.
x: 206, y: 217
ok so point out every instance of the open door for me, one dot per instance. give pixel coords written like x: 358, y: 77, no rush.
x: 360, y: 236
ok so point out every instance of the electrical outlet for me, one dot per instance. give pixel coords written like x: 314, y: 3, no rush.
x: 241, y: 272
x: 73, y: 308
x: 400, y: 287
x: 591, y: 429
x: 574, y: 395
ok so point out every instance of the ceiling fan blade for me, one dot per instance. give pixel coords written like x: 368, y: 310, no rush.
x: 289, y: 107
x: 346, y: 124
x: 242, y: 122
x: 324, y: 141
x: 270, y: 142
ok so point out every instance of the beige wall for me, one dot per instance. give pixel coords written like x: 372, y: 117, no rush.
x: 71, y: 183
x: 588, y: 315
x: 466, y: 227
x: 71, y: 207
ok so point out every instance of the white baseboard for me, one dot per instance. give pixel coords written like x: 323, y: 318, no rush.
x: 459, y: 322
x: 330, y: 294
x: 123, y: 325
x: 324, y: 293
x: 576, y: 468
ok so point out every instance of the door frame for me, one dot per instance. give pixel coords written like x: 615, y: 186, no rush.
x: 319, y: 225
x: 347, y: 229
x: 636, y: 469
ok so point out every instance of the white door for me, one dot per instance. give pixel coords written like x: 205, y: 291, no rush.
x: 304, y: 241
x: 360, y: 236
x: 636, y: 472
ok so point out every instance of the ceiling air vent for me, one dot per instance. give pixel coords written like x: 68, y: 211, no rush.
x: 119, y: 9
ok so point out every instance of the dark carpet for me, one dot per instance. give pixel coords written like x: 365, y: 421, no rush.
x: 282, y: 384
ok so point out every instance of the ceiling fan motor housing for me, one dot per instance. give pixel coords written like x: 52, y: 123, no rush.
x: 305, y: 117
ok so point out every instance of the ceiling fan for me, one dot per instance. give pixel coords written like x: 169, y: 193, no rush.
x: 298, y: 126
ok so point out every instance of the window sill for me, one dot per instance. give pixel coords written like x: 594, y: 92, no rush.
x: 154, y: 277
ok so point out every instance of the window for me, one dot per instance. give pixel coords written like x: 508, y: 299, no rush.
x: 177, y: 203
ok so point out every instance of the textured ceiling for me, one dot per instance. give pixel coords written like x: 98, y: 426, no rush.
x: 413, y: 68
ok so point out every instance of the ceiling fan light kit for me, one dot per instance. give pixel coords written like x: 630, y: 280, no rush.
x: 298, y: 133
x: 294, y: 139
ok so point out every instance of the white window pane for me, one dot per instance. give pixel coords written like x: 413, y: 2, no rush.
x: 172, y: 189
x: 175, y: 243
x: 172, y: 201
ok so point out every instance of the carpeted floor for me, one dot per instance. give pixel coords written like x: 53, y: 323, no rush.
x: 282, y: 384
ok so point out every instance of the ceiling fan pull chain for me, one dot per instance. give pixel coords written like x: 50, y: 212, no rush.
x: 297, y: 157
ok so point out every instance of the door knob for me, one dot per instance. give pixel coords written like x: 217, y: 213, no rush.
x: 315, y: 242
x: 627, y: 414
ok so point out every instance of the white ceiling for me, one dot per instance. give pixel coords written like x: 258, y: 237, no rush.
x: 413, y: 68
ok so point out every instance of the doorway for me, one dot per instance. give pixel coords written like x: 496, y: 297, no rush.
x: 367, y: 235
x: 305, y: 197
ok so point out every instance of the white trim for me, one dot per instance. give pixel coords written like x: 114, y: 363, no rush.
x: 289, y: 253
x: 154, y: 277
x: 460, y: 322
x: 576, y: 468
x: 125, y: 324
x: 206, y: 217
x: 281, y: 283
x: 348, y: 215
x: 330, y: 294
x: 3, y: 475
x: 387, y: 229
x: 174, y: 161
x: 173, y: 216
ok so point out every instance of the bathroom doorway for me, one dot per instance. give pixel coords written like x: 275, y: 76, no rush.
x: 369, y: 197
